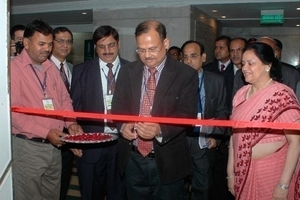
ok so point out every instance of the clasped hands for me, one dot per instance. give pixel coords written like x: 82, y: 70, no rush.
x: 145, y: 130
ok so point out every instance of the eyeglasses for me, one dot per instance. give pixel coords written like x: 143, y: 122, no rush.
x: 192, y: 56
x: 61, y: 41
x: 110, y: 46
x: 152, y: 50
x: 238, y: 50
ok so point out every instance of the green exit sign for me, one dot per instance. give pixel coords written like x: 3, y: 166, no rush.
x: 271, y: 19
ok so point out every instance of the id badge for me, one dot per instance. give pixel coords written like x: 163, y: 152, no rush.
x: 108, y: 101
x: 198, y: 117
x: 48, y: 104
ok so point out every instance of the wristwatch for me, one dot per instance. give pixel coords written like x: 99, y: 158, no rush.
x: 283, y: 186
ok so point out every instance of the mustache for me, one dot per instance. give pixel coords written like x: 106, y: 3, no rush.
x: 148, y: 58
x: 108, y: 54
x: 45, y: 52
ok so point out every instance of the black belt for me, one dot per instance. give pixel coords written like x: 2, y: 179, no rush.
x: 150, y: 155
x: 35, y: 139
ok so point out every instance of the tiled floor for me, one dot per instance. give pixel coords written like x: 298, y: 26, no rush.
x: 73, y: 192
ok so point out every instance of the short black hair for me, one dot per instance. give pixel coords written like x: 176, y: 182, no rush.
x: 37, y: 26
x: 278, y: 43
x: 174, y: 47
x: 62, y: 29
x: 105, y: 31
x: 202, y: 50
x: 18, y: 27
x: 224, y: 37
x: 251, y: 40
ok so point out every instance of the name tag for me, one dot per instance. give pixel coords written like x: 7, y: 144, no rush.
x: 198, y: 117
x: 108, y: 101
x: 48, y: 104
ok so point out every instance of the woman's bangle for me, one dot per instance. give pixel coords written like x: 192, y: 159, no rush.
x: 283, y: 186
x: 230, y: 177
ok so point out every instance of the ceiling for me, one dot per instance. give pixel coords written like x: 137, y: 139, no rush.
x: 248, y: 14
x: 237, y: 14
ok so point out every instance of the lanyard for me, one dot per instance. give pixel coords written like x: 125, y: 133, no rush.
x: 114, y: 75
x: 43, y: 85
x: 199, y: 96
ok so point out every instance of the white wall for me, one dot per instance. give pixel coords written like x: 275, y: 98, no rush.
x: 5, y: 141
x: 176, y: 20
x: 290, y: 38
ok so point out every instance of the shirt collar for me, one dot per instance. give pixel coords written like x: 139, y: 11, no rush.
x: 115, y: 63
x: 56, y: 61
x: 26, y: 60
x: 160, y: 66
x: 226, y: 63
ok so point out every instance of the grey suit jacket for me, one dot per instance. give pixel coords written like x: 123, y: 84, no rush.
x: 175, y: 96
x: 227, y: 74
x: 215, y: 101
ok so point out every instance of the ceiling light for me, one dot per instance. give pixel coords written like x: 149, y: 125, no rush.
x: 84, y: 13
x: 298, y: 25
x: 223, y: 16
x: 298, y: 8
x: 214, y: 11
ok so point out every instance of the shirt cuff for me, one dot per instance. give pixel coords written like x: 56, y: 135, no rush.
x: 159, y: 137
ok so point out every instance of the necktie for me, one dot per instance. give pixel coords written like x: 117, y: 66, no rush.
x: 64, y: 76
x: 110, y: 90
x: 145, y: 146
x: 110, y: 79
x: 222, y: 67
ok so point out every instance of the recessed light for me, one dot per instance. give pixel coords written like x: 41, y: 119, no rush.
x: 84, y: 13
x: 298, y: 8
x: 214, y: 11
x: 223, y: 16
x: 298, y: 25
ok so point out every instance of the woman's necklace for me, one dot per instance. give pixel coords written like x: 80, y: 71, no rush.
x: 251, y: 88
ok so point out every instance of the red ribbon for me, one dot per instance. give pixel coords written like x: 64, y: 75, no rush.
x: 165, y: 120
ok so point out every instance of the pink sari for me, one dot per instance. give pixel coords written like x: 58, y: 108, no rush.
x: 256, y: 179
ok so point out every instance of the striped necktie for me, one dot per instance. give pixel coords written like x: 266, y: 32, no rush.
x: 64, y: 76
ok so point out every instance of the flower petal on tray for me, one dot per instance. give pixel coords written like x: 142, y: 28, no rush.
x: 86, y: 138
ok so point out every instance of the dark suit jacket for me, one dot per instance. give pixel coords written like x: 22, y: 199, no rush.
x: 290, y: 77
x: 175, y: 96
x: 228, y: 75
x: 215, y: 101
x: 87, y: 95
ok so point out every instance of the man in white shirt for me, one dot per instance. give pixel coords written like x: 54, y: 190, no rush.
x: 62, y: 46
x: 236, y: 48
x: 92, y: 91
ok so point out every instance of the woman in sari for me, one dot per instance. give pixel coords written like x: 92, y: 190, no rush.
x: 263, y: 163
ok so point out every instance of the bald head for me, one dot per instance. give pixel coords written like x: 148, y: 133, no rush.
x: 271, y: 42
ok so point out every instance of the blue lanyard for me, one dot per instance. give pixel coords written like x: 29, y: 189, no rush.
x: 199, y: 96
x: 43, y: 85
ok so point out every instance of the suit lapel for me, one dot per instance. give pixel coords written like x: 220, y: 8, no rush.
x: 94, y: 78
x: 208, y: 91
x: 166, y: 79
x: 136, y: 78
